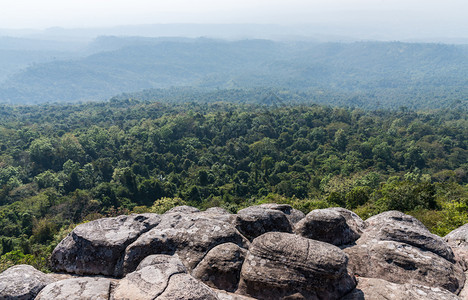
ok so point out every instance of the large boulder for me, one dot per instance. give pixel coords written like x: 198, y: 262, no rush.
x: 162, y: 277
x: 97, y: 246
x: 254, y: 221
x: 183, y: 209
x: 77, y: 289
x: 393, y: 216
x: 329, y: 226
x: 403, y: 263
x: 282, y: 265
x: 218, y: 213
x: 416, y: 236
x: 22, y: 282
x: 189, y: 235
x: 458, y: 240
x: 292, y: 214
x: 373, y: 288
x: 185, y: 287
x: 221, y: 267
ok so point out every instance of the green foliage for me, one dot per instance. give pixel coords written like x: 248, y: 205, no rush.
x: 62, y: 165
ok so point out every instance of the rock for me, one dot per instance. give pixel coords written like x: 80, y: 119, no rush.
x: 162, y: 261
x: 183, y: 209
x: 255, y: 221
x: 292, y: 214
x: 328, y: 226
x: 150, y: 279
x: 393, y: 216
x: 221, y: 267
x: 185, y: 287
x: 458, y: 240
x: 464, y: 292
x: 188, y: 235
x: 77, y: 288
x: 22, y: 282
x: 218, y: 213
x: 402, y: 263
x: 223, y: 295
x: 415, y: 236
x: 372, y: 288
x: 355, y: 223
x: 97, y: 246
x: 282, y: 265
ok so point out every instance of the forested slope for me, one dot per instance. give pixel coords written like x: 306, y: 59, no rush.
x: 380, y: 74
x: 63, y: 164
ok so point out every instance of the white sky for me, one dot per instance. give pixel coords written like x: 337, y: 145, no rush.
x: 40, y: 14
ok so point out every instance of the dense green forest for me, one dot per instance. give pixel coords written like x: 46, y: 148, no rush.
x: 373, y: 75
x: 65, y: 164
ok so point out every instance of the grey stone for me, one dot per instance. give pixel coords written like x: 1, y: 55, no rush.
x: 97, y: 246
x: 22, y: 282
x: 254, y: 221
x: 328, y: 226
x: 292, y: 214
x: 221, y: 267
x: 185, y: 287
x: 93, y: 288
x: 286, y: 266
x: 392, y: 216
x: 415, y: 236
x: 150, y: 279
x: 402, y: 263
x: 458, y: 240
x: 184, y: 209
x: 188, y: 235
x: 372, y: 288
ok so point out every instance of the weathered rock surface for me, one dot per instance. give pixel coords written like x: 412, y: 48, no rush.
x: 329, y: 226
x: 458, y: 240
x: 292, y: 214
x: 191, y: 254
x: 22, y: 282
x: 188, y: 235
x: 150, y: 279
x: 281, y: 265
x: 372, y: 288
x: 218, y: 213
x: 77, y: 289
x: 254, y: 221
x: 416, y: 236
x: 97, y: 246
x: 185, y: 287
x: 402, y: 263
x: 392, y: 216
x: 223, y: 295
x: 221, y: 267
x: 184, y: 209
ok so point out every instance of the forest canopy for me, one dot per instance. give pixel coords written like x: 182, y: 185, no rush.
x: 61, y: 165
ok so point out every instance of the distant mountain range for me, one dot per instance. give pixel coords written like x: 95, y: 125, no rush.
x: 384, y: 72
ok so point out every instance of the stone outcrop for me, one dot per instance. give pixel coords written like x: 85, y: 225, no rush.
x: 398, y: 248
x: 96, y: 247
x: 255, y: 220
x: 22, y: 282
x: 161, y: 277
x: 372, y: 288
x: 458, y: 241
x: 189, y: 235
x: 77, y: 289
x: 270, y: 251
x: 330, y: 226
x: 282, y: 265
x: 221, y: 267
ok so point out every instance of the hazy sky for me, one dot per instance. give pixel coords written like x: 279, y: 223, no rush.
x: 91, y: 13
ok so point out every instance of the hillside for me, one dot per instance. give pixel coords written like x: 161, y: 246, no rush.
x: 382, y: 74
